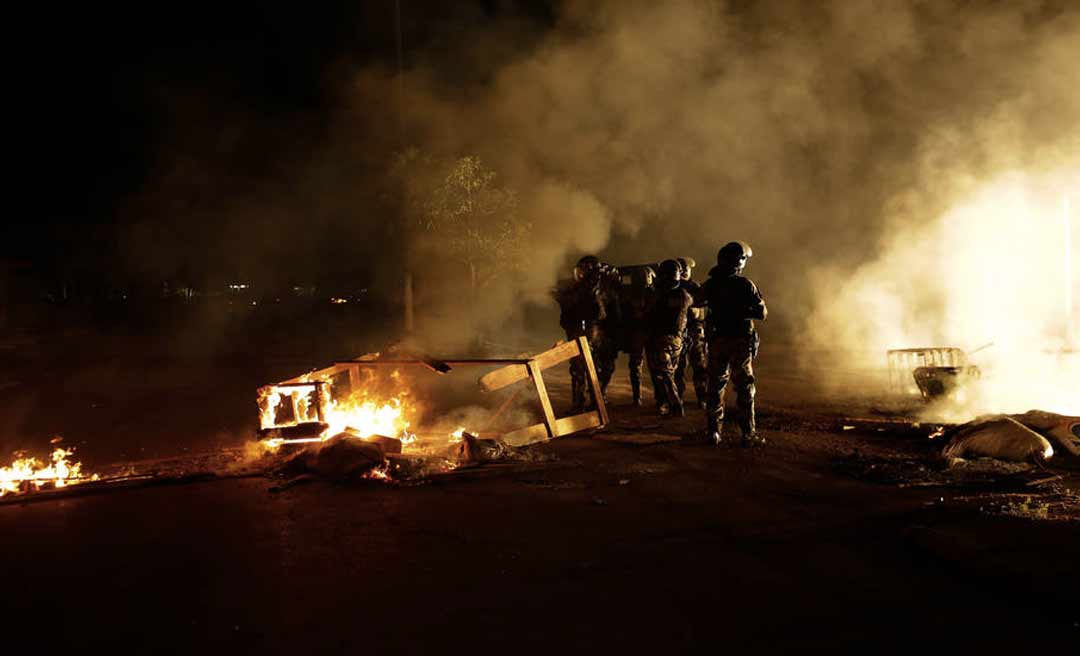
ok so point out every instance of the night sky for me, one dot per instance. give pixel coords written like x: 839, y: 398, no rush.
x: 115, y: 99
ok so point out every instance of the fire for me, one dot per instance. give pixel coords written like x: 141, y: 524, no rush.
x: 27, y: 473
x: 995, y: 267
x: 363, y: 414
x: 367, y: 417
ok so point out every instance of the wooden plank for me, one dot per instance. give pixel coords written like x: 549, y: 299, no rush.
x: 576, y: 423
x: 295, y: 401
x: 322, y: 395
x: 509, y: 375
x: 478, y: 362
x: 523, y: 436
x: 545, y: 402
x: 559, y: 353
x: 501, y: 378
x: 354, y: 380
x: 598, y: 398
x: 317, y: 374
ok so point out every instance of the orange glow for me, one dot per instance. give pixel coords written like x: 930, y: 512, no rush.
x: 994, y: 266
x: 30, y: 474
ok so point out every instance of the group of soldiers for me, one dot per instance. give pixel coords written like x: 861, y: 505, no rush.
x: 664, y: 319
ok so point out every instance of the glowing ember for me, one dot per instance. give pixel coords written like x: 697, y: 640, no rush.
x: 26, y: 474
x: 379, y: 474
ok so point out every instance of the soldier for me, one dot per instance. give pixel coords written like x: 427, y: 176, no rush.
x: 667, y: 323
x: 734, y: 303
x: 588, y: 307
x: 695, y: 352
x: 636, y: 303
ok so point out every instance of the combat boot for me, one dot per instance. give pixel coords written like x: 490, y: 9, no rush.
x: 753, y: 441
x: 714, y: 433
x: 635, y: 385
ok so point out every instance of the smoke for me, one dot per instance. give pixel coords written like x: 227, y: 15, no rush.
x: 821, y: 133
x: 818, y: 132
x: 975, y: 248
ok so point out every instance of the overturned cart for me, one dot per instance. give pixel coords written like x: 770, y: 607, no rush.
x: 932, y: 372
x: 373, y: 404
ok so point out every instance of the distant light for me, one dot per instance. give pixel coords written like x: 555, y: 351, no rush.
x: 338, y: 301
x: 238, y: 286
x: 254, y: 302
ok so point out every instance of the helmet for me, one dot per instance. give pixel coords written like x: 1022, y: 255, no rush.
x: 686, y: 264
x: 644, y: 276
x: 669, y: 270
x: 734, y: 255
x: 586, y: 266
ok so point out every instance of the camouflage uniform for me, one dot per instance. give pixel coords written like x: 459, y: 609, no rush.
x: 734, y: 302
x: 667, y: 323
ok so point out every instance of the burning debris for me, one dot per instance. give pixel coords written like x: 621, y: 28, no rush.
x: 29, y: 474
x: 350, y: 422
x: 936, y: 371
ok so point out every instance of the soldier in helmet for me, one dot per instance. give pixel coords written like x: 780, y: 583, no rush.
x: 588, y: 307
x: 734, y: 303
x: 667, y: 323
x: 637, y: 300
x: 694, y: 354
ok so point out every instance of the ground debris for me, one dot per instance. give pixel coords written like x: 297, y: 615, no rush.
x: 908, y: 471
x: 476, y: 451
x: 1055, y: 502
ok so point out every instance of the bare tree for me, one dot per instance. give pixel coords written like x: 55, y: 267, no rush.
x: 460, y: 205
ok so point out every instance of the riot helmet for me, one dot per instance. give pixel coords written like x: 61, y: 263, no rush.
x: 585, y: 267
x: 644, y: 277
x: 669, y: 273
x: 734, y: 256
x: 686, y: 264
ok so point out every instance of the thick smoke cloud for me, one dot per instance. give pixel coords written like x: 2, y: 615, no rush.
x: 643, y: 130
x: 646, y: 130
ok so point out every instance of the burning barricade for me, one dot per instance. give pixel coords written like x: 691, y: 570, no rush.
x: 363, y: 418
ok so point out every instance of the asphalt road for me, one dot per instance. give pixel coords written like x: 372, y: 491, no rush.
x: 611, y: 548
x: 608, y: 548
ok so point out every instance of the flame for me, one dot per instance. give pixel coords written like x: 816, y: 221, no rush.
x: 994, y: 267
x: 368, y: 417
x: 25, y: 473
x: 363, y: 414
x: 458, y: 435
